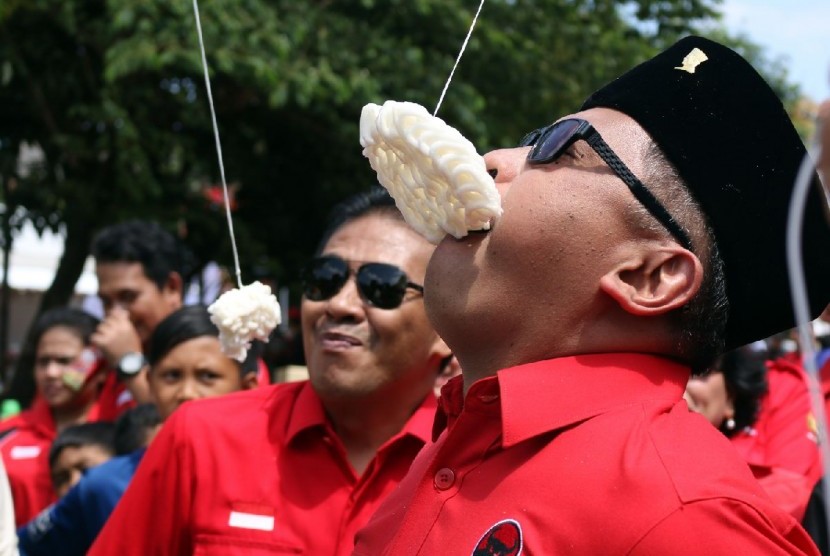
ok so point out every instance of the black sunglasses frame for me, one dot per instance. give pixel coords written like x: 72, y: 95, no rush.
x: 366, y: 279
x: 545, y: 151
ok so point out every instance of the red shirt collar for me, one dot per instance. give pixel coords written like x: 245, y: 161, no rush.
x: 39, y: 417
x: 308, y: 412
x: 548, y: 395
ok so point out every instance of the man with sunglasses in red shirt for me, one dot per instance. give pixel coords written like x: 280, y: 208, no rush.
x: 298, y: 468
x: 640, y: 237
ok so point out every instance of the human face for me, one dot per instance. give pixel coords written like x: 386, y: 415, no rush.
x: 61, y: 368
x: 551, y: 142
x: 124, y: 284
x: 71, y: 464
x: 708, y: 396
x: 192, y: 370
x: 525, y: 290
x: 354, y: 350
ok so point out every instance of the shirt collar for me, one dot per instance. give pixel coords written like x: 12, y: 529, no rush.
x: 40, y: 417
x: 548, y: 395
x: 308, y: 413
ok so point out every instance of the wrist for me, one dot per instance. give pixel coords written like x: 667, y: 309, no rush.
x: 130, y: 365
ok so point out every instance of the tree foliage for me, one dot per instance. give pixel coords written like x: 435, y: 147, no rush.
x: 112, y: 92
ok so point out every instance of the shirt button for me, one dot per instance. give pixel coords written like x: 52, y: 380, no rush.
x: 444, y: 478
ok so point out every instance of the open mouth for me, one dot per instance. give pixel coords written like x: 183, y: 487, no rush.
x: 490, y: 226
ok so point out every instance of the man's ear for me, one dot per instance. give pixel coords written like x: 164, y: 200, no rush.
x: 249, y: 381
x: 656, y: 281
x: 174, y: 285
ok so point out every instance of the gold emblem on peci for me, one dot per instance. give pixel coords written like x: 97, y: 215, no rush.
x: 692, y: 60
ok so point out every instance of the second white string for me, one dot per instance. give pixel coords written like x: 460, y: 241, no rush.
x: 218, y: 146
x: 458, y: 59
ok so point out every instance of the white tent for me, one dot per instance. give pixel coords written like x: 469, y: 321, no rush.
x: 32, y: 265
x: 34, y: 261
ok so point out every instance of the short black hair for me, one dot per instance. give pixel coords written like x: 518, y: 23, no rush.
x: 79, y: 322
x: 99, y: 433
x: 133, y: 427
x: 187, y: 323
x: 745, y: 374
x: 375, y: 200
x: 137, y: 241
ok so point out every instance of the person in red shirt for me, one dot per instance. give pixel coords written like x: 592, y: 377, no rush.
x: 69, y: 376
x: 300, y: 467
x: 141, y: 269
x: 763, y: 407
x: 186, y: 365
x: 638, y: 239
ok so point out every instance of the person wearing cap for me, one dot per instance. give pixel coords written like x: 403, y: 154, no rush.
x: 298, y: 468
x: 641, y: 237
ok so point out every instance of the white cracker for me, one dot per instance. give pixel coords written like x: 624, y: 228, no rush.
x: 438, y: 180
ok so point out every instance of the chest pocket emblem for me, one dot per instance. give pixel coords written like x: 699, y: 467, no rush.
x: 25, y: 452
x: 251, y: 516
x: 502, y: 539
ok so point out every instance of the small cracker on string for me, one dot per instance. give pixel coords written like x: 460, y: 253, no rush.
x: 438, y: 180
x: 244, y: 315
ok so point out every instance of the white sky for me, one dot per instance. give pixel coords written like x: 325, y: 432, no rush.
x: 798, y: 30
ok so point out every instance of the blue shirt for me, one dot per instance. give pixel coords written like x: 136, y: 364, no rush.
x: 70, y: 526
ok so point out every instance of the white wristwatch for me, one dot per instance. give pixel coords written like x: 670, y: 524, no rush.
x: 131, y: 364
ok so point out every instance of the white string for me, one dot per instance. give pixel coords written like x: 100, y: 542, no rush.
x: 218, y: 146
x: 801, y: 306
x: 458, y: 59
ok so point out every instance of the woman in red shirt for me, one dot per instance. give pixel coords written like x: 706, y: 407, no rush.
x: 763, y: 407
x: 69, y: 376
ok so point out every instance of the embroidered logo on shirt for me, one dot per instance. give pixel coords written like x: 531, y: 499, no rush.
x: 812, y: 428
x: 502, y: 539
x: 251, y: 516
x: 25, y: 452
x: 692, y: 60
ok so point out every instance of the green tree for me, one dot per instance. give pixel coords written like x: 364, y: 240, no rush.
x: 112, y: 92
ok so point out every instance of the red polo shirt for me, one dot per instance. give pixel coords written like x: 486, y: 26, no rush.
x: 257, y: 472
x: 594, y: 454
x: 24, y: 445
x: 781, y: 446
x: 25, y: 440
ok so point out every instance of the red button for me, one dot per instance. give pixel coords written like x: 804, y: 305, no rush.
x: 444, y: 478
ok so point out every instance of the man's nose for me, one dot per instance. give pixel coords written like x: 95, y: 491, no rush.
x: 504, y: 165
x: 347, y: 302
x: 54, y: 369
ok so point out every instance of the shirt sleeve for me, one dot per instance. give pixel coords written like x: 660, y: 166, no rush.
x: 8, y: 541
x: 58, y: 530
x: 790, y: 440
x: 723, y: 527
x: 153, y: 516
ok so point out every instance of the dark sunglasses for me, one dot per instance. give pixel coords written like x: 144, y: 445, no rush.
x: 550, y: 142
x: 381, y: 285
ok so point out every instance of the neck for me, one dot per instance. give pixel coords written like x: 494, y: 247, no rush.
x: 67, y: 416
x: 363, y: 426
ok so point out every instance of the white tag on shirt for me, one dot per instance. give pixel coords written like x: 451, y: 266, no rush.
x: 124, y: 397
x: 251, y: 521
x: 25, y: 452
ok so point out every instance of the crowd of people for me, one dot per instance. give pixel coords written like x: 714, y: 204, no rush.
x: 602, y: 372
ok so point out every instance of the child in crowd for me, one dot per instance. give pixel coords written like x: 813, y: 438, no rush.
x: 186, y: 364
x: 78, y: 448
x: 70, y: 377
